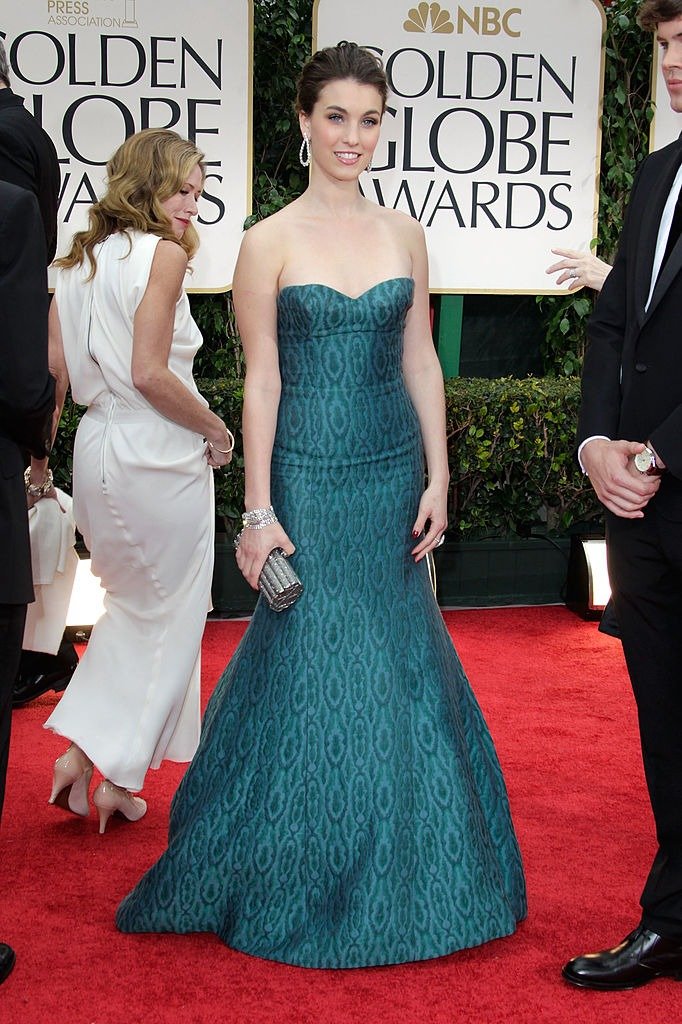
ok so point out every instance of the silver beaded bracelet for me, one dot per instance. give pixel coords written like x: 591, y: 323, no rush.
x: 259, y: 518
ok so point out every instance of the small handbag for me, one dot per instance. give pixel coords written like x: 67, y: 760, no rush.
x: 278, y: 583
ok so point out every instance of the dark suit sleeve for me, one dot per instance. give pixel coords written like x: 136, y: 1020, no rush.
x: 601, y: 378
x: 48, y: 195
x: 667, y: 441
x: 26, y: 387
x: 600, y: 387
x: 28, y: 158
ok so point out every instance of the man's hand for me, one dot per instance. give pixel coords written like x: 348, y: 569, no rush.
x: 616, y: 482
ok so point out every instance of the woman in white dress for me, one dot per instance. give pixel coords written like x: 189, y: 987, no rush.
x: 122, y: 335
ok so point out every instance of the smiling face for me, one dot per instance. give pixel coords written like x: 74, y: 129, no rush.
x: 181, y: 207
x: 669, y: 36
x: 343, y: 127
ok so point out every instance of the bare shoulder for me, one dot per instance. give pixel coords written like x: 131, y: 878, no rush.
x: 265, y: 245
x: 169, y: 257
x: 168, y: 269
x: 263, y: 242
x: 407, y: 226
x: 272, y: 231
x: 403, y: 232
x: 398, y: 223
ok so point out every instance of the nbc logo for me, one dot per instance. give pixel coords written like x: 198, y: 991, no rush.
x: 418, y: 19
x: 484, y: 21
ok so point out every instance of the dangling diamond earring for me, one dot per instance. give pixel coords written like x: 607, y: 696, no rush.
x: 304, y: 152
x: 368, y: 168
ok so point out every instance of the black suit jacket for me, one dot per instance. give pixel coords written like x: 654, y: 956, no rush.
x: 26, y: 387
x: 28, y: 159
x: 632, y: 375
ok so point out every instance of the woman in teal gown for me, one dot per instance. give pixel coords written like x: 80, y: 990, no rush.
x: 345, y: 807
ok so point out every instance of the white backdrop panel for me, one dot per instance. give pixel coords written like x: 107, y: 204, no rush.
x: 492, y: 135
x: 94, y: 71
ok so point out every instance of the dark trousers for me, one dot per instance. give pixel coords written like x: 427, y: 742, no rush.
x: 645, y: 566
x: 12, y: 619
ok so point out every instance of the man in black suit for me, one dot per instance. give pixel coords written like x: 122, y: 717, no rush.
x: 630, y: 434
x: 28, y: 158
x: 26, y: 406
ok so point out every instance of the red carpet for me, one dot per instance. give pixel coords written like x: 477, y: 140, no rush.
x: 556, y: 696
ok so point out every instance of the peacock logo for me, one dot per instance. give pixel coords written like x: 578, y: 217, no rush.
x: 418, y: 19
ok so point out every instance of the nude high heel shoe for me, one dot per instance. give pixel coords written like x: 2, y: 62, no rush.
x: 71, y: 781
x: 110, y: 799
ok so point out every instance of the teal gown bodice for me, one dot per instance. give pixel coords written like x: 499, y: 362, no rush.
x: 345, y: 807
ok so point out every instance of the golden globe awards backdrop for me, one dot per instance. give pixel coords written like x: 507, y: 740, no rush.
x: 95, y: 71
x: 491, y: 139
x: 667, y: 123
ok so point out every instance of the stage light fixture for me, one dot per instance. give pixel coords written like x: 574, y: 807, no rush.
x: 587, y: 587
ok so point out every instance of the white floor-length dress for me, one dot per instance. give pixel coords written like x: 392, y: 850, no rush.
x: 143, y: 500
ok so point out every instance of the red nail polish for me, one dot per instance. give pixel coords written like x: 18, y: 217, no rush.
x: 415, y: 533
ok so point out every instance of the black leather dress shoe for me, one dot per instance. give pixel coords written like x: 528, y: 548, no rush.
x: 39, y: 673
x: 7, y: 961
x: 641, y: 957
x: 27, y: 688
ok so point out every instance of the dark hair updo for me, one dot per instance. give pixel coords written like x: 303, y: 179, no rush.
x: 346, y: 60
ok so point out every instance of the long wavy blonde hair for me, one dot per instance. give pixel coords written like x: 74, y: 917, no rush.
x: 148, y: 168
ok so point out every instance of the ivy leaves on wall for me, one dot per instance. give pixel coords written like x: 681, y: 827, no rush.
x: 281, y: 45
x: 625, y: 141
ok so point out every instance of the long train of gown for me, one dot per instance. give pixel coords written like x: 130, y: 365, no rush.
x: 345, y: 807
x: 143, y: 500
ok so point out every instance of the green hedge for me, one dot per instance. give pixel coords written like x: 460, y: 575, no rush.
x: 510, y: 444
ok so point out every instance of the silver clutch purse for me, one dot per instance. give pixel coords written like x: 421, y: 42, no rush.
x: 278, y: 583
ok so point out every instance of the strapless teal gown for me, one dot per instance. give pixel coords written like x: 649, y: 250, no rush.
x: 345, y: 807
